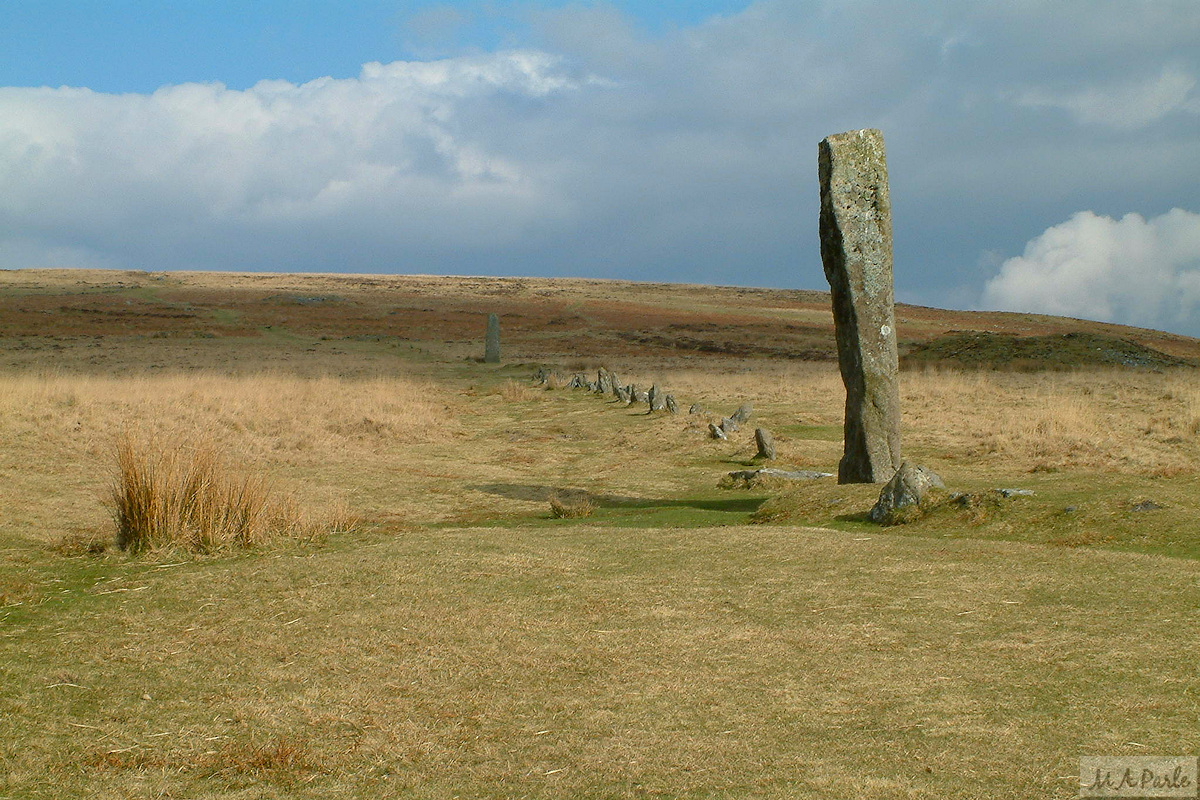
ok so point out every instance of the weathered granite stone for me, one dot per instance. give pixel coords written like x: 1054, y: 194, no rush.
x: 902, y: 498
x: 622, y: 395
x: 616, y: 385
x: 577, y: 382
x: 696, y: 408
x: 856, y: 250
x: 766, y: 444
x: 743, y: 414
x: 639, y: 395
x: 672, y: 406
x: 730, y: 425
x: 657, y: 399
x: 716, y: 432
x: 604, y: 382
x: 491, y: 344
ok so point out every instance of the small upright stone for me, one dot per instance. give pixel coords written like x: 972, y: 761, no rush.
x: 743, y: 414
x: 696, y: 408
x: 856, y: 250
x: 672, y: 406
x: 622, y: 395
x: 657, y: 400
x: 491, y: 344
x: 766, y: 444
x: 639, y: 395
x: 616, y: 385
x: 729, y: 425
x: 604, y: 383
x: 716, y: 432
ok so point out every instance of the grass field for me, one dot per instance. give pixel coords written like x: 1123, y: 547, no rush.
x: 683, y: 639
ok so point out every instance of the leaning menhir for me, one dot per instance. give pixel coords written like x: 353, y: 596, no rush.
x: 491, y: 345
x: 856, y: 250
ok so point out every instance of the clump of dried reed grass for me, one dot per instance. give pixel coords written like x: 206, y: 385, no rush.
x: 571, y: 507
x: 188, y: 498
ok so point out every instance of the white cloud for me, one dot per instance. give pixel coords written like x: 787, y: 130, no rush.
x: 1133, y: 270
x: 1123, y: 104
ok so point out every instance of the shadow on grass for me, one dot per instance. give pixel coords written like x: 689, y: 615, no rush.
x: 538, y: 493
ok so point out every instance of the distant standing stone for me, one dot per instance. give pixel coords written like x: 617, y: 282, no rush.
x: 672, y: 406
x: 616, y: 385
x: 622, y: 395
x: 856, y: 250
x: 716, y: 432
x: 657, y: 400
x: 766, y: 444
x: 491, y: 345
x: 604, y: 383
x: 696, y: 408
x: 743, y: 414
x: 730, y: 425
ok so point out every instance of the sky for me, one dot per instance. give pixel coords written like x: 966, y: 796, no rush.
x: 1044, y: 155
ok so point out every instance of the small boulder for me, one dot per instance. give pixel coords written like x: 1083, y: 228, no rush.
x: 905, y: 497
x: 729, y: 425
x: 623, y: 395
x: 672, y: 406
x: 696, y: 408
x: 766, y: 444
x: 716, y: 432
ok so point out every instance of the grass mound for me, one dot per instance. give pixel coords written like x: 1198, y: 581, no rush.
x: 984, y: 349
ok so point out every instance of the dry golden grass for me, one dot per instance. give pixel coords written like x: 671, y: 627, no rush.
x: 315, y: 436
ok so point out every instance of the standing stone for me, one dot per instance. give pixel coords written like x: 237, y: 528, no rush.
x: 715, y: 432
x: 622, y: 395
x: 672, y: 406
x: 491, y: 345
x: 766, y: 444
x: 657, y: 400
x: 604, y: 383
x: 616, y: 385
x: 743, y: 414
x: 856, y: 250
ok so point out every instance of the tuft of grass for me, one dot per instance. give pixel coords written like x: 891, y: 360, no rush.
x: 187, y: 498
x: 571, y: 508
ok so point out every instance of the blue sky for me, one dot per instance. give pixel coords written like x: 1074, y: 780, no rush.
x: 1044, y: 155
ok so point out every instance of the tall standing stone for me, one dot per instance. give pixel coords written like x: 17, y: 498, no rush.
x: 491, y: 345
x: 856, y: 250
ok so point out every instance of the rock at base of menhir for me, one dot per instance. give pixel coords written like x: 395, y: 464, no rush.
x: 743, y: 414
x: 856, y: 251
x: 716, y: 432
x: 906, y: 496
x: 766, y: 444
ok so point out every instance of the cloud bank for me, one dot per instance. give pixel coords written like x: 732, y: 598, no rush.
x: 1135, y: 271
x: 594, y: 148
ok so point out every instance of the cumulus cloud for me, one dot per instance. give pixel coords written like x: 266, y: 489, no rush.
x: 1135, y: 271
x: 382, y: 156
